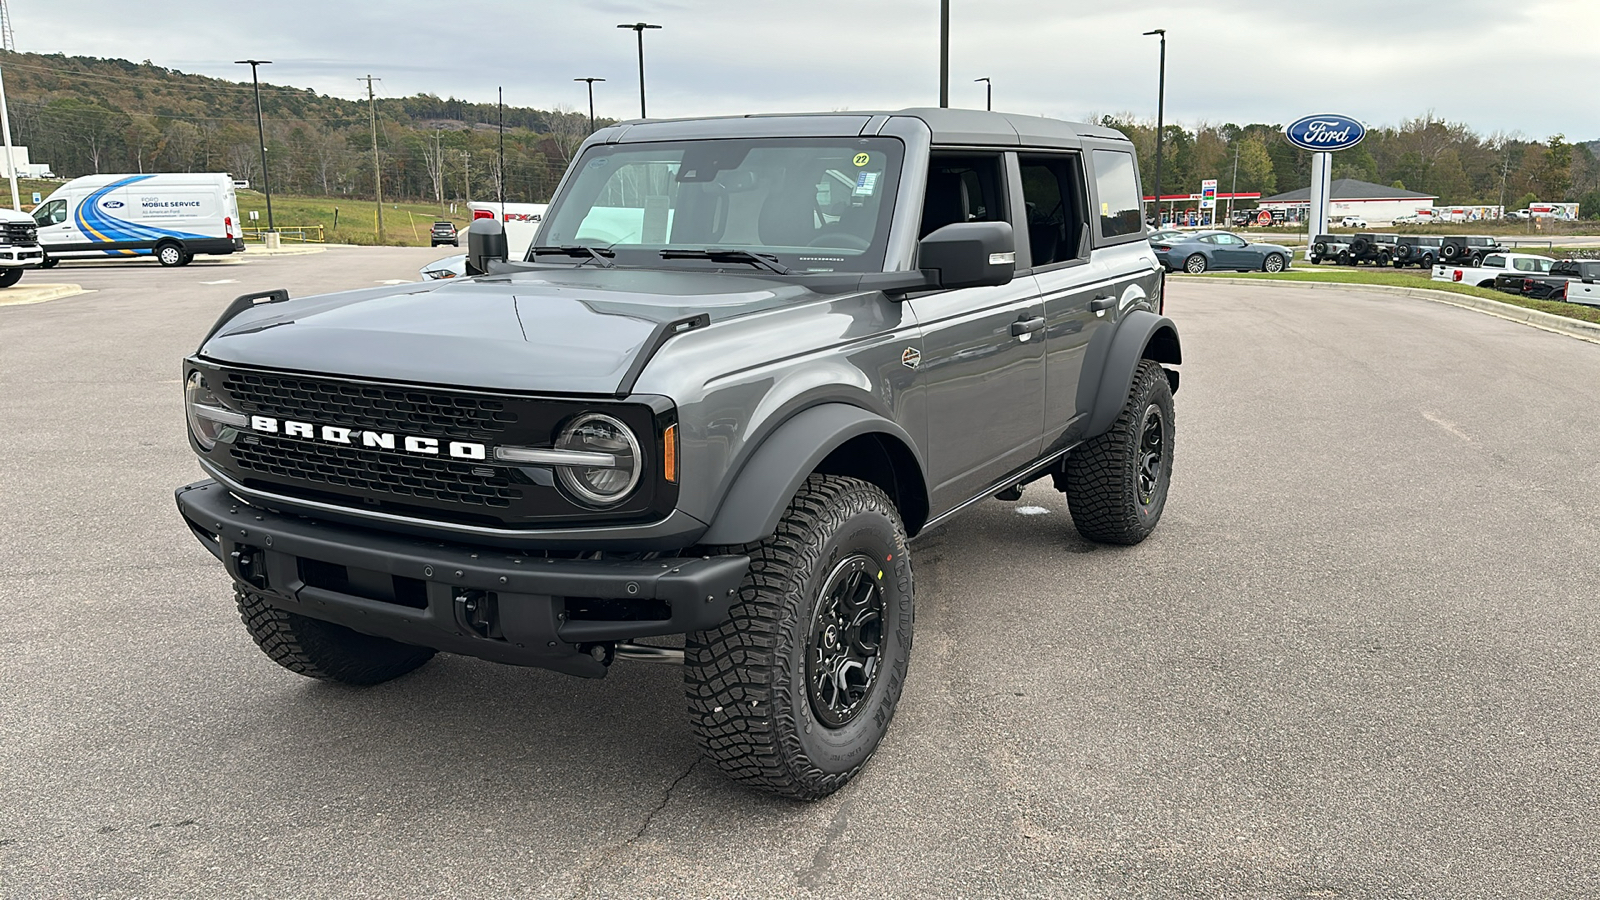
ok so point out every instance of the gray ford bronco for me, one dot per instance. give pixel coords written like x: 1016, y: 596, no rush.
x: 745, y: 362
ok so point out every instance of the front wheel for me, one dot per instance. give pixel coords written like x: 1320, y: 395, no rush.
x: 795, y: 691
x: 1274, y: 263
x: 8, y: 277
x: 170, y: 255
x: 318, y: 649
x: 1195, y: 265
x: 1116, y: 484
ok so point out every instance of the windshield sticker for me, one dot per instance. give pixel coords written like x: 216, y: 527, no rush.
x: 598, y: 161
x: 862, y: 159
x: 866, y: 183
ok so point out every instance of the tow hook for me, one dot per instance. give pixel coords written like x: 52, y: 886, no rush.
x: 479, y: 613
x: 247, y: 565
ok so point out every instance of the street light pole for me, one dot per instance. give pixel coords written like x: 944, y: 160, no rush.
x: 591, y: 82
x: 988, y: 92
x: 639, y: 28
x: 1161, y: 112
x: 944, y: 54
x: 261, y: 132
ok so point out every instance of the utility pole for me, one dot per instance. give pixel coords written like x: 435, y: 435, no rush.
x: 377, y: 174
x: 591, y: 82
x: 501, y: 179
x: 944, y: 54
x: 1161, y: 112
x: 1235, y: 190
x: 640, y: 27
x: 261, y: 132
x: 466, y: 176
x: 988, y: 92
x: 5, y: 125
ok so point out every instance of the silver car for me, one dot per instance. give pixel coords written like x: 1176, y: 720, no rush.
x: 1201, y: 251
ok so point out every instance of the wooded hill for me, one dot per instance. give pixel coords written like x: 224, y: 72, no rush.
x: 84, y: 115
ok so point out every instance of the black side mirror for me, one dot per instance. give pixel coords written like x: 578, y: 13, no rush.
x: 486, y: 243
x: 969, y: 254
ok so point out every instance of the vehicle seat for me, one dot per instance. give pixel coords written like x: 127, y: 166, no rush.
x: 789, y: 215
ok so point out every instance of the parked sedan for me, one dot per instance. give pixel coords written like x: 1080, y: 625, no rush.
x: 1199, y: 251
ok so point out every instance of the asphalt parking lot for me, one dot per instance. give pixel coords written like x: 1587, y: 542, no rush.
x: 1358, y: 658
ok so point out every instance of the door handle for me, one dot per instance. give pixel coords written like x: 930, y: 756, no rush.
x: 1101, y: 304
x: 1024, y: 327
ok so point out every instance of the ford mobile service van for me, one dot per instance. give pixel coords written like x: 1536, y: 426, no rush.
x: 172, y: 217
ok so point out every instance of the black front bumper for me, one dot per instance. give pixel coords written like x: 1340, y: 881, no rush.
x: 478, y: 601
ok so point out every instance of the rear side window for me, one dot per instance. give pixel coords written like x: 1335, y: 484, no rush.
x: 1564, y: 268
x: 1121, y: 207
x: 1053, y: 192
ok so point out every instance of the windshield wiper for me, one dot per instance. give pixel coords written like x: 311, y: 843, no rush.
x: 590, y: 254
x: 718, y: 254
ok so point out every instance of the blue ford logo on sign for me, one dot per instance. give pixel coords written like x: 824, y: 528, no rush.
x: 1325, y: 133
x: 112, y: 204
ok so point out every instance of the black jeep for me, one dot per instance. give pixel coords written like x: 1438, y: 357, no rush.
x: 745, y: 362
x: 1377, y: 249
x: 1467, y: 251
x: 1415, y: 250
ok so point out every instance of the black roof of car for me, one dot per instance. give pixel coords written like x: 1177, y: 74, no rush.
x: 949, y: 126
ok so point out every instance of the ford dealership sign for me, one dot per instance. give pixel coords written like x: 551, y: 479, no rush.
x: 1325, y: 133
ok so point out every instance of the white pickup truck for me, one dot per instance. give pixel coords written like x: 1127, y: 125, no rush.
x: 521, y: 221
x: 1483, y: 274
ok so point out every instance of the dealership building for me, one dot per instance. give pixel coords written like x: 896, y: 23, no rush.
x: 1350, y: 197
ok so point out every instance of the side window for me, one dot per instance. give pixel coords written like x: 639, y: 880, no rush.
x: 52, y: 213
x: 962, y: 188
x: 1121, y: 207
x: 1053, y: 191
x: 1493, y: 262
x: 1564, y: 268
x: 1524, y: 265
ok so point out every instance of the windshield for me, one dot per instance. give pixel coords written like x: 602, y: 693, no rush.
x: 809, y: 204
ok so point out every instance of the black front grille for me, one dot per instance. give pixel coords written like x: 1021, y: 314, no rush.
x: 22, y: 232
x: 384, y: 408
x: 376, y: 474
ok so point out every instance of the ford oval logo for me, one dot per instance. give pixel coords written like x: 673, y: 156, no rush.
x: 1325, y: 133
x: 111, y: 204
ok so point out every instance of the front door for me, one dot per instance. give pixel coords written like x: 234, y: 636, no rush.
x: 55, y: 228
x: 982, y: 362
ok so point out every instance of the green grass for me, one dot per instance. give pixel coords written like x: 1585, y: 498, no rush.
x: 404, y: 224
x: 1409, y: 279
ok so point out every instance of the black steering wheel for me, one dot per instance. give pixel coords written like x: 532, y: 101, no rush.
x: 842, y: 240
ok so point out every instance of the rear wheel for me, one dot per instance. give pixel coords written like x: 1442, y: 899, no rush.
x: 8, y: 277
x: 1195, y: 264
x: 1344, y: 257
x: 794, y: 692
x: 170, y: 254
x: 1116, y: 484
x: 318, y: 649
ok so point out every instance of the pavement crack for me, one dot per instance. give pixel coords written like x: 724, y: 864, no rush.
x: 579, y: 878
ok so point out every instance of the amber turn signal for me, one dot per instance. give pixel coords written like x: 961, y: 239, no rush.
x: 669, y: 463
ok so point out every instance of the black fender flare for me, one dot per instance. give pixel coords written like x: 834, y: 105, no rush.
x: 762, y: 489
x: 1140, y: 335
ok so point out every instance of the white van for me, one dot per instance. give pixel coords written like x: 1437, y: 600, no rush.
x: 171, y: 217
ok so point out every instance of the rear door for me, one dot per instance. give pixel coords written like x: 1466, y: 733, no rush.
x: 982, y: 359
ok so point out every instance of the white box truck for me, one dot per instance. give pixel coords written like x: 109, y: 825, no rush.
x: 172, y: 217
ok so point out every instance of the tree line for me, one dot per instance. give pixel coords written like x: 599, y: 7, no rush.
x: 85, y: 115
x: 1426, y: 154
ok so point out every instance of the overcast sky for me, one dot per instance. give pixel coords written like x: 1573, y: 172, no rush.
x: 1525, y: 66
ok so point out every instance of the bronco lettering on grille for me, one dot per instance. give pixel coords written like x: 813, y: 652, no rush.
x: 376, y: 440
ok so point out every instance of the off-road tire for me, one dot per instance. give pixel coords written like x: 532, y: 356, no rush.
x: 1102, y: 478
x: 318, y: 649
x: 750, y: 703
x: 1195, y: 264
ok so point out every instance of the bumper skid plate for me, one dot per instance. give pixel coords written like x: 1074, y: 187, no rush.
x: 556, y: 614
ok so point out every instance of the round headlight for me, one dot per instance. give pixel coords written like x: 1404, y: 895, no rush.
x: 601, y: 434
x: 208, y: 416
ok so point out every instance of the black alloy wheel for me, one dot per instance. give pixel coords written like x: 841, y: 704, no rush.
x: 1152, y: 453
x: 846, y: 640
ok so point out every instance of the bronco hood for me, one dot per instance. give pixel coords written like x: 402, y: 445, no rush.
x: 566, y: 331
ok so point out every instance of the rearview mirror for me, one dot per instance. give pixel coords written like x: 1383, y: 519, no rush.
x: 969, y: 254
x: 486, y: 243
